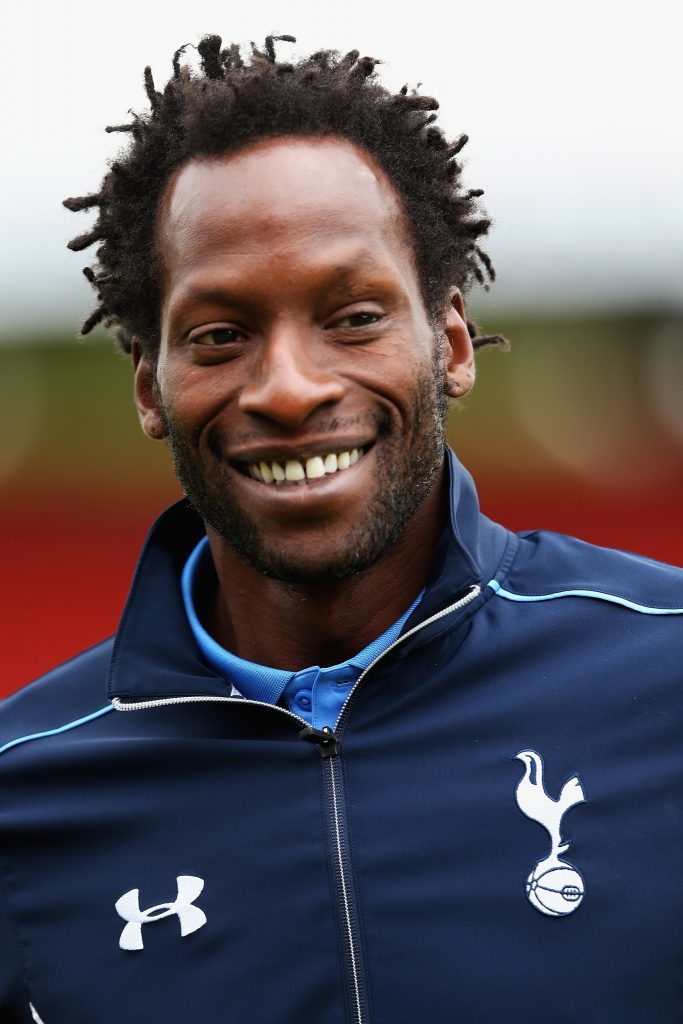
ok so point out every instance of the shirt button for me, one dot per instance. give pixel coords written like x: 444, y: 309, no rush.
x: 304, y: 699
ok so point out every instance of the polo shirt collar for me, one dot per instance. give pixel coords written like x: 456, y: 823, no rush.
x: 262, y: 682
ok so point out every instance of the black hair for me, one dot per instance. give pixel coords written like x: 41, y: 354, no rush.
x: 232, y: 102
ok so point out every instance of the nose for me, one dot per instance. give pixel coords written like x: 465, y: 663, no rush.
x: 289, y: 381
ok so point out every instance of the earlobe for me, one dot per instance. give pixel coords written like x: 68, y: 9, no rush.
x: 459, y: 366
x: 152, y: 419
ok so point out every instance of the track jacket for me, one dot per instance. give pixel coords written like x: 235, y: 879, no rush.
x: 492, y: 833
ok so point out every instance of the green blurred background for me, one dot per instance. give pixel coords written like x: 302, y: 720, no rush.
x: 578, y: 429
x: 574, y: 121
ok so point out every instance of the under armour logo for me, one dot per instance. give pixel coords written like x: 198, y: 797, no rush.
x: 554, y: 887
x: 191, y: 918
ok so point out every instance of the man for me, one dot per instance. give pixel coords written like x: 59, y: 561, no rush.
x: 323, y: 771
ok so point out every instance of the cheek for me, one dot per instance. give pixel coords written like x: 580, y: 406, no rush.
x: 393, y: 366
x: 403, y: 379
x: 193, y: 395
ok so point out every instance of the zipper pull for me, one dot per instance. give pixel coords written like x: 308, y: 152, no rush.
x: 324, y: 738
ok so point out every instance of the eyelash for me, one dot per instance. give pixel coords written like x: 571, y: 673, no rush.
x: 238, y: 335
x: 369, y: 318
x: 373, y: 319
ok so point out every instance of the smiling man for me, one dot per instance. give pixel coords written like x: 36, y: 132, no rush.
x: 301, y: 384
x: 305, y: 780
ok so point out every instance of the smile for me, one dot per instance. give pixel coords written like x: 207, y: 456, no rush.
x: 303, y: 471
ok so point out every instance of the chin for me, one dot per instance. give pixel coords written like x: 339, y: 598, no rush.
x: 317, y: 567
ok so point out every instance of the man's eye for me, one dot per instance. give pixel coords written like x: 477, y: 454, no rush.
x: 218, y: 336
x: 357, y: 320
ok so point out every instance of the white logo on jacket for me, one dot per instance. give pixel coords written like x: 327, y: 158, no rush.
x: 190, y: 917
x: 554, y: 887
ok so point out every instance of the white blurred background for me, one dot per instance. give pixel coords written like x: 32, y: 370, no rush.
x: 573, y: 113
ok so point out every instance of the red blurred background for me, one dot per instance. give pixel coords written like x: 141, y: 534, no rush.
x: 579, y: 429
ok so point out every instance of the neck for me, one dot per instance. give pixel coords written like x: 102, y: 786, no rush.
x: 292, y: 626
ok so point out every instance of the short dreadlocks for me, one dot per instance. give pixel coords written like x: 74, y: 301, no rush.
x: 233, y: 102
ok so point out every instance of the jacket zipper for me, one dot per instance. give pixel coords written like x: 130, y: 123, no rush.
x: 327, y: 741
x: 335, y: 806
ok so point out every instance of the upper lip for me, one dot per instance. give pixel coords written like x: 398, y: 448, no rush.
x: 280, y: 452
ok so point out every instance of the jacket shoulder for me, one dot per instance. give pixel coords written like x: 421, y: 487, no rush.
x: 71, y: 691
x: 550, y: 564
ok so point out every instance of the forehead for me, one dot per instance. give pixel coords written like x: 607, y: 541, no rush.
x: 279, y: 194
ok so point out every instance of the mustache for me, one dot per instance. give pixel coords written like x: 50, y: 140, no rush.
x: 217, y: 437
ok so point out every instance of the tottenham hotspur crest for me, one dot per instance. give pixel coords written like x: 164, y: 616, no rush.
x: 554, y: 887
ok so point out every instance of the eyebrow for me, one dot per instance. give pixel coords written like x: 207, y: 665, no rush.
x: 224, y: 294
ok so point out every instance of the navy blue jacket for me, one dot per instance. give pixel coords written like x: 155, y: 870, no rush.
x: 492, y: 833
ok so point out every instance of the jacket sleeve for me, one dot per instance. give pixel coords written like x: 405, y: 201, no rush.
x: 14, y: 1000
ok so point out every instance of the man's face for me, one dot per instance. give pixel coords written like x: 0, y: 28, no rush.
x: 295, y: 344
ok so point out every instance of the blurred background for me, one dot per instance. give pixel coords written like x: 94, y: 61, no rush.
x: 575, y: 134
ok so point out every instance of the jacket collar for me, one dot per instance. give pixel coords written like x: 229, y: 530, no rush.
x: 155, y: 654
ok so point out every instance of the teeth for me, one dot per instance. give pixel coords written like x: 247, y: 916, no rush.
x: 295, y: 471
x: 315, y: 468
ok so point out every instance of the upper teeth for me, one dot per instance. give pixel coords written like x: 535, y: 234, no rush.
x: 299, y: 470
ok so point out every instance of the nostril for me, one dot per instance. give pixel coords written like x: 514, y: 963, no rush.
x: 289, y: 402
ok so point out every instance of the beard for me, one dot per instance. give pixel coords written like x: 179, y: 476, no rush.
x: 405, y: 475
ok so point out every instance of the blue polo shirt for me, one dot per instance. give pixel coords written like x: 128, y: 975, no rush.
x: 315, y: 694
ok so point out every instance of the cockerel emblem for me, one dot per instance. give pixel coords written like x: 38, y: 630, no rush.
x: 554, y: 887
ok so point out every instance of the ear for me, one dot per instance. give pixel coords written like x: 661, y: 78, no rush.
x: 152, y: 419
x: 459, y: 362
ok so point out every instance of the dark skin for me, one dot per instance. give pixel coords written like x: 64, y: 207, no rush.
x: 292, y: 326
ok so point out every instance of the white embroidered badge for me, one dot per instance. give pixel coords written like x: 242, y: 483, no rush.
x: 190, y: 917
x: 554, y: 887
